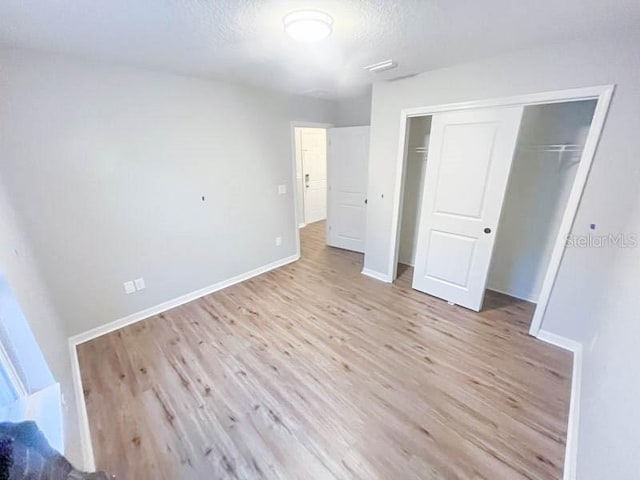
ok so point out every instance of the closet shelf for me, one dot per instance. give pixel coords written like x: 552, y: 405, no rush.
x: 421, y: 150
x: 564, y: 147
x: 561, y: 150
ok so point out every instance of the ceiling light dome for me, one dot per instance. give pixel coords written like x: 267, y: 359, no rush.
x: 308, y: 25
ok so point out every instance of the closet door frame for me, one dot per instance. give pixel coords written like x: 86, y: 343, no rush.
x: 602, y: 94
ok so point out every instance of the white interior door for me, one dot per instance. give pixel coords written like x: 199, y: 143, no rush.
x: 313, y: 146
x: 470, y: 155
x: 348, y: 165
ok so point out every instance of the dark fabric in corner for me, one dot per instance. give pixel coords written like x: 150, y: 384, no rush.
x: 25, y: 454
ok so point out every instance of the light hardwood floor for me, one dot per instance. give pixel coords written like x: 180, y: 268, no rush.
x: 314, y: 371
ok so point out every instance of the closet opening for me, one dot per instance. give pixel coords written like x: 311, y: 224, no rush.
x: 419, y: 129
x: 487, y: 194
x: 549, y: 148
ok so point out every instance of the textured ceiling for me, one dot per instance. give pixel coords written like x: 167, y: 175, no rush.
x: 243, y: 40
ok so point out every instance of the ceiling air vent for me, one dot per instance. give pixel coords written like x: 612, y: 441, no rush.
x: 381, y: 66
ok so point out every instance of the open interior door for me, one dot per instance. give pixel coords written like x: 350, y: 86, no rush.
x: 470, y: 156
x: 347, y: 164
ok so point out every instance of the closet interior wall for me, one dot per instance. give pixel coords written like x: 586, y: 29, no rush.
x: 548, y: 152
x: 415, y: 166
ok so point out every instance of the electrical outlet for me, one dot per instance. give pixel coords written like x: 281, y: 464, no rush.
x: 139, y: 283
x: 282, y: 189
x: 278, y: 241
x: 129, y: 287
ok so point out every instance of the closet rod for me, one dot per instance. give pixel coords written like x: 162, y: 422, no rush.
x: 561, y: 150
x: 567, y: 147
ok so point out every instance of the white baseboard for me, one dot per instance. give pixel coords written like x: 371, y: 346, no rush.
x: 526, y: 298
x: 408, y: 263
x: 74, y: 341
x: 571, y: 452
x: 302, y: 225
x: 377, y: 275
x: 559, y: 341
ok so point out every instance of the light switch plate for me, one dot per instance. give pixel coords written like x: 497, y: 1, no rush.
x: 129, y: 287
x: 282, y: 189
x: 139, y: 283
x: 278, y: 241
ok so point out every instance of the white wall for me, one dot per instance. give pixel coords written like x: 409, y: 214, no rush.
x: 415, y: 168
x: 107, y: 166
x: 18, y: 265
x: 354, y: 112
x: 582, y: 284
x: 19, y: 342
x: 609, y: 440
x: 536, y: 198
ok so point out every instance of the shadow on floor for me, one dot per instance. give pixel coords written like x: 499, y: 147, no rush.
x: 402, y: 269
x: 495, y: 300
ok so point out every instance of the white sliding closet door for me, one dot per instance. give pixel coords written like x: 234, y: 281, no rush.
x: 348, y: 165
x: 470, y: 155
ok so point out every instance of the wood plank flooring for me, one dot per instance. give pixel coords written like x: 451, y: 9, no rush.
x: 314, y: 371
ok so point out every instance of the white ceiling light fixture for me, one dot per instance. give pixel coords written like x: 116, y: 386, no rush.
x: 308, y: 25
x: 381, y: 66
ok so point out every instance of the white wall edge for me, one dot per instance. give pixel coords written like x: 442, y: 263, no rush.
x: 88, y: 460
x: 571, y: 450
x: 302, y: 225
x: 377, y: 275
x: 83, y: 418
